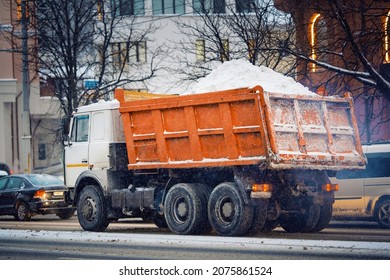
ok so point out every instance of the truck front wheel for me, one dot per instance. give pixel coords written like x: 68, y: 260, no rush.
x: 91, y: 210
x: 228, y: 213
x: 159, y: 221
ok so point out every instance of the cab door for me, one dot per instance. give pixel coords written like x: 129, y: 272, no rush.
x: 99, y: 140
x: 76, y: 151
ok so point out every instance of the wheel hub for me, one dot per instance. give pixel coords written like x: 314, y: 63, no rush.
x: 21, y: 211
x: 181, y: 210
x: 227, y: 210
x: 384, y: 215
x: 89, y: 209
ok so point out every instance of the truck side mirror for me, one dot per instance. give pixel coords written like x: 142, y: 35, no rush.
x: 65, y: 129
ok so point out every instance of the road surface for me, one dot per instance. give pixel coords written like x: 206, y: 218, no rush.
x: 47, y: 237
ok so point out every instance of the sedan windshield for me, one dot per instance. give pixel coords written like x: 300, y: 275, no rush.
x: 44, y: 180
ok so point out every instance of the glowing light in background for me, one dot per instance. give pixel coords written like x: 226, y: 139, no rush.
x: 313, y: 42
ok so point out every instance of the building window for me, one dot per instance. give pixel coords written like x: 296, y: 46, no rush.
x: 47, y: 87
x: 99, y: 9
x: 163, y: 7
x: 127, y: 7
x: 318, y: 32
x: 128, y: 52
x: 41, y: 151
x: 119, y: 53
x: 245, y: 6
x: 138, y: 52
x: 209, y: 6
x: 387, y: 38
x: 252, y: 49
x: 52, y: 87
x: 224, y: 54
x: 200, y: 50
x: 18, y: 9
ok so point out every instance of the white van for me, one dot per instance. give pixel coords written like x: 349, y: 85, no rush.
x: 366, y: 193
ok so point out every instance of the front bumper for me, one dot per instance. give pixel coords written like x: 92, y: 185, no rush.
x: 50, y: 207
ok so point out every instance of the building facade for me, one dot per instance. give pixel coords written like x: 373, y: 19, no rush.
x: 175, y: 45
x: 364, y: 35
x: 43, y: 111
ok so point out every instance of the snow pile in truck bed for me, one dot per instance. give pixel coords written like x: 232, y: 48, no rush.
x: 242, y: 74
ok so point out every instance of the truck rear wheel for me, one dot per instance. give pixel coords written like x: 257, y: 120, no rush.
x: 325, y: 217
x: 228, y: 213
x: 91, y: 210
x: 259, y: 216
x: 185, y: 209
x: 304, y: 220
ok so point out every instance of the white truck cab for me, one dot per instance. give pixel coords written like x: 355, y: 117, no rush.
x: 93, y: 128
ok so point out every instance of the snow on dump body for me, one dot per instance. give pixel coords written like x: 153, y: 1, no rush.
x: 306, y: 129
x: 242, y: 74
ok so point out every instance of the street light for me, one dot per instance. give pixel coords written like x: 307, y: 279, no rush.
x: 26, y: 159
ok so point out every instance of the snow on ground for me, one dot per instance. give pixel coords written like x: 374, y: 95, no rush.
x: 242, y: 74
x: 197, y: 241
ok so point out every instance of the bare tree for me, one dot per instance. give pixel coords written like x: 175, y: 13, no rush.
x: 204, y: 41
x: 257, y: 24
x: 341, y: 49
x: 350, y: 43
x: 81, y: 50
x: 81, y: 40
x: 245, y: 30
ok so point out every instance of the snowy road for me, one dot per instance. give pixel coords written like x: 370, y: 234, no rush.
x: 141, y: 242
x: 27, y: 244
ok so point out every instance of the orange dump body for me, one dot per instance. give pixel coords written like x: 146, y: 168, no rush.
x: 241, y: 127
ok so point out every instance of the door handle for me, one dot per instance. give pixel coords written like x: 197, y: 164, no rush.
x: 84, y: 161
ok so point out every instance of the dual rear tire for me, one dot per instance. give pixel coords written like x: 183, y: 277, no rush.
x: 195, y: 209
x: 186, y: 208
x: 228, y: 214
x: 311, y: 218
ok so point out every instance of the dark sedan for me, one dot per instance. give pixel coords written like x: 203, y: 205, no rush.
x: 25, y: 195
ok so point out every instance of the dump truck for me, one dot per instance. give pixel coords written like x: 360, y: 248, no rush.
x: 234, y: 162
